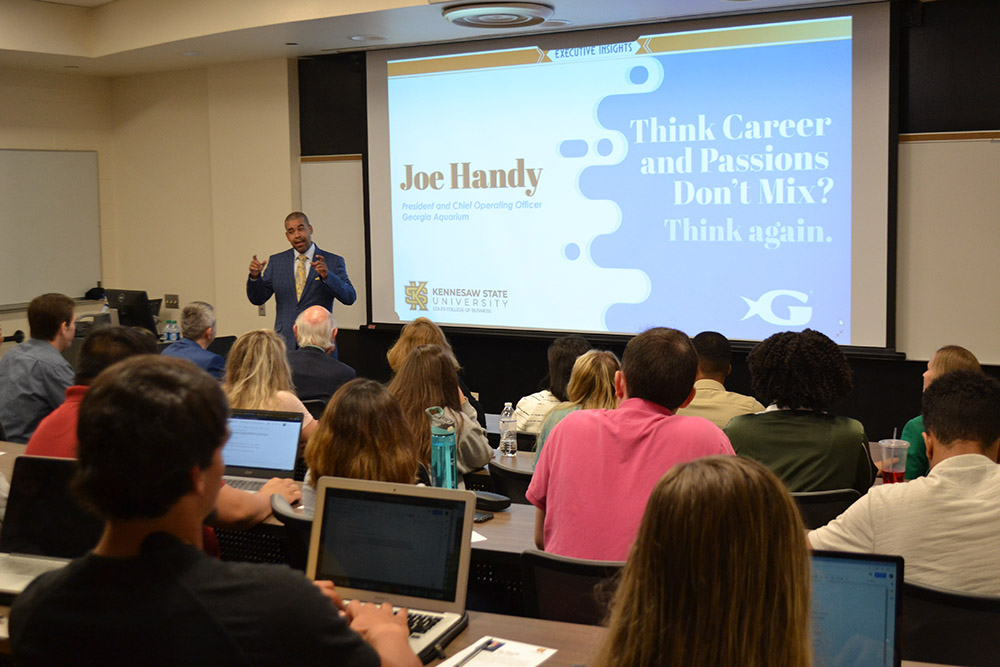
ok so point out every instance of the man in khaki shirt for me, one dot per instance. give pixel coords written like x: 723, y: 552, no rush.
x: 711, y: 399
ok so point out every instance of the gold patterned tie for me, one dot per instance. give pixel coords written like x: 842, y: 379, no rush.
x: 300, y: 276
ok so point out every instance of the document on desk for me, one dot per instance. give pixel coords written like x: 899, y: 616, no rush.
x: 496, y: 651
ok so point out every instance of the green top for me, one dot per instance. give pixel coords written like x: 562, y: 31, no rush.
x: 555, y: 416
x: 808, y: 451
x: 916, y: 456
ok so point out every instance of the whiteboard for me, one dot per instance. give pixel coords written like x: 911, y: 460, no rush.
x: 50, y: 232
x: 948, y: 271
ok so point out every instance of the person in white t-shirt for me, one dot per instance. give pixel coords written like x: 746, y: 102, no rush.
x: 532, y: 409
x: 946, y: 526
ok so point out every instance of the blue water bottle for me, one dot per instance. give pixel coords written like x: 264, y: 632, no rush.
x: 444, y: 472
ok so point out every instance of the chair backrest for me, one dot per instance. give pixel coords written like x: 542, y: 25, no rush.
x: 574, y: 590
x: 819, y: 508
x: 510, y: 482
x: 948, y: 627
x: 315, y: 406
x: 526, y: 441
x: 298, y: 528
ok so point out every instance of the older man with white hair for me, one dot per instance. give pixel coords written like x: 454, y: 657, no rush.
x: 198, y: 331
x: 316, y: 374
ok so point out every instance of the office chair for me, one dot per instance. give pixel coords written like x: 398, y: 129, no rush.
x: 573, y: 590
x: 510, y: 482
x: 949, y: 627
x: 315, y: 406
x: 526, y: 441
x: 819, y: 508
x: 298, y: 528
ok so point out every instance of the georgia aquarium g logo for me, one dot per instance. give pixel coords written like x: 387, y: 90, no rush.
x: 763, y: 307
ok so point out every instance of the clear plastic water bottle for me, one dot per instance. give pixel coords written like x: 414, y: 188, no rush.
x: 175, y: 331
x: 444, y: 469
x: 508, y: 431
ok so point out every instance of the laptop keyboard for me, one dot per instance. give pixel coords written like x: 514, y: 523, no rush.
x: 421, y: 623
x: 252, y: 485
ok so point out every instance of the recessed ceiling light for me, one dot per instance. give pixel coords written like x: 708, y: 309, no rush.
x: 71, y: 66
x: 291, y: 43
x: 498, y: 15
x: 367, y: 38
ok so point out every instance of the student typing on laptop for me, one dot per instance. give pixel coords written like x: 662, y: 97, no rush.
x: 150, y: 455
x: 56, y: 434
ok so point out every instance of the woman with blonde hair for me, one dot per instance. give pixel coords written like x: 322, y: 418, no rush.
x: 947, y: 359
x: 718, y: 574
x: 591, y: 387
x: 362, y: 434
x: 427, y: 378
x: 258, y: 377
x: 423, y: 331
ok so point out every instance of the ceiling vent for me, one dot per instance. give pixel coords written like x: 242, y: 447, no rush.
x: 498, y: 15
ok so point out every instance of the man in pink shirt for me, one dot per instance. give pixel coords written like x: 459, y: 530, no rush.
x: 598, y: 467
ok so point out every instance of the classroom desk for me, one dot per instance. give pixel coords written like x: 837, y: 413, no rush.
x: 524, y: 461
x: 576, y: 644
x: 495, y: 568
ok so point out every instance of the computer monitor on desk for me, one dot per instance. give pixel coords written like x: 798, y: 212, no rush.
x: 134, y: 308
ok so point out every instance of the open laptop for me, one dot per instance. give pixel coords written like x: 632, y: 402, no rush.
x: 855, y: 608
x: 398, y: 543
x: 262, y: 444
x: 44, y: 526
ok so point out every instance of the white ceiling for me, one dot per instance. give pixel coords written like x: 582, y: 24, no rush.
x: 131, y: 36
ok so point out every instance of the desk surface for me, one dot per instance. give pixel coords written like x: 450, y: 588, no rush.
x: 510, y: 531
x: 575, y: 644
x: 524, y: 461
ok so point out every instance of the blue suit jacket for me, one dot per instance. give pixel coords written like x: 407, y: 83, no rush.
x: 278, y: 279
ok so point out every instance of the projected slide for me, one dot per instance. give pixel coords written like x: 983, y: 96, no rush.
x: 700, y: 180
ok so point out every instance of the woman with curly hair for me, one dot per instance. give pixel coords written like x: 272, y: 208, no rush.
x: 798, y: 375
x: 718, y: 574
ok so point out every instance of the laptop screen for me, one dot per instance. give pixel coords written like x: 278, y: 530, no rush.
x: 262, y: 440
x: 855, y: 608
x: 43, y: 518
x: 391, y: 544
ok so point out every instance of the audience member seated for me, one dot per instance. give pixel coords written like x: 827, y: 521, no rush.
x: 198, y: 331
x: 598, y: 467
x: 151, y: 435
x: 103, y: 346
x: 531, y: 410
x: 426, y: 379
x: 363, y: 434
x: 315, y: 374
x: 719, y: 574
x: 949, y: 358
x: 422, y: 331
x: 34, y: 375
x: 946, y: 526
x: 591, y: 387
x: 258, y: 377
x: 56, y: 435
x: 711, y: 400
x: 799, y: 375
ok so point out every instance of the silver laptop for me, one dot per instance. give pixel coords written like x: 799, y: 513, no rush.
x: 855, y: 608
x: 44, y: 526
x: 262, y: 444
x: 398, y: 543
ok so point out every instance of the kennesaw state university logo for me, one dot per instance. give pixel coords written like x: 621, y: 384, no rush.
x: 416, y: 295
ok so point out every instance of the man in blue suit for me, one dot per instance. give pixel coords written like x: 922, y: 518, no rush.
x: 300, y: 277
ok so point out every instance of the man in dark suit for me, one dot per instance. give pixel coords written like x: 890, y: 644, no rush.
x: 315, y: 374
x: 300, y: 277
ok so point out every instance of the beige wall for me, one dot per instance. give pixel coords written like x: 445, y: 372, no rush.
x: 197, y: 170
